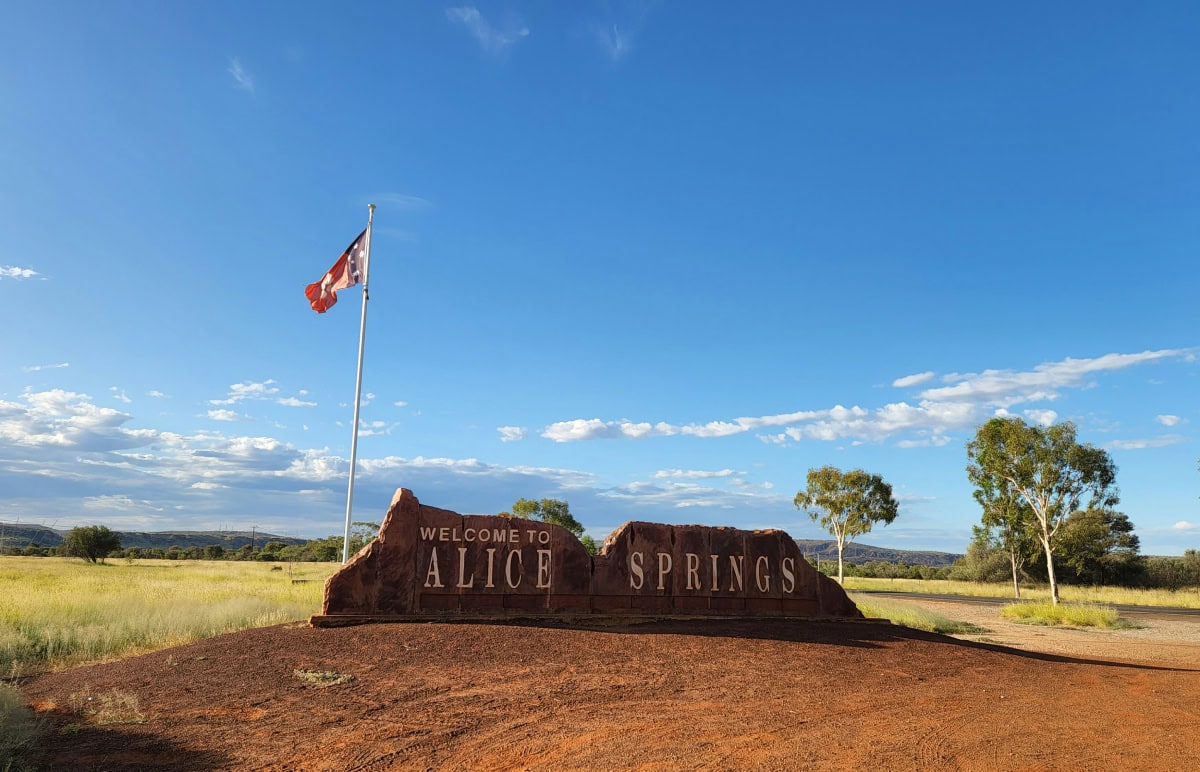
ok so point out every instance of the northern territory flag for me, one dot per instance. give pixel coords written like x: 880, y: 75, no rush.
x: 345, y: 273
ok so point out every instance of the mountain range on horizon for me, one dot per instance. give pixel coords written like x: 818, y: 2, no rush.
x: 21, y: 536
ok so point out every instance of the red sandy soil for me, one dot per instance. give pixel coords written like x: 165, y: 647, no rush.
x: 764, y: 694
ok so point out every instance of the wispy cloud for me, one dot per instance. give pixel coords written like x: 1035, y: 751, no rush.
x: 248, y: 390
x: 694, y: 474
x: 119, y: 395
x: 491, y: 39
x: 295, y: 402
x: 1151, y: 442
x: 1169, y: 420
x: 1184, y: 526
x: 511, y: 433
x: 39, y: 368
x: 968, y: 401
x: 242, y: 78
x: 614, y: 42
x: 404, y: 201
x: 223, y: 415
x: 913, y: 380
x: 16, y: 272
x: 156, y: 394
x: 400, y: 403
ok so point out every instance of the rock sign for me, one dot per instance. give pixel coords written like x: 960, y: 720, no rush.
x: 430, y: 562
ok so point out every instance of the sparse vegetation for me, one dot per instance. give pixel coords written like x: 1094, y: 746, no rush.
x: 322, y: 677
x: 56, y: 612
x: 1077, y: 615
x: 111, y: 707
x: 19, y: 730
x: 1134, y: 596
x: 907, y: 615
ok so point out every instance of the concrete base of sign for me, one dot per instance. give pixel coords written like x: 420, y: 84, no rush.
x: 434, y: 563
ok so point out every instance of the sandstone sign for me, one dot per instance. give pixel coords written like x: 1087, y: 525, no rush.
x: 434, y: 562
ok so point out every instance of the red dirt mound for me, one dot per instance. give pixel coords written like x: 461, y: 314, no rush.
x: 772, y: 694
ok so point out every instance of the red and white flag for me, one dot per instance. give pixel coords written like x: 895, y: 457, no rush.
x: 345, y: 273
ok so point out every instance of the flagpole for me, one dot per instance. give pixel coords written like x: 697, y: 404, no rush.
x: 362, y: 337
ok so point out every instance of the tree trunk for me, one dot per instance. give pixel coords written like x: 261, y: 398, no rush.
x: 841, y: 542
x: 1050, y: 571
x: 1012, y: 557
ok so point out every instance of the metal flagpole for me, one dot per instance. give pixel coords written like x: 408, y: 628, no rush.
x: 362, y: 337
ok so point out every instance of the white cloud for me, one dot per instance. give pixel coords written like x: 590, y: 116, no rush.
x: 1151, y: 442
x: 248, y: 390
x: 240, y: 76
x: 511, y: 433
x: 1185, y: 526
x: 400, y: 403
x: 490, y: 38
x: 207, y: 486
x: 156, y: 394
x: 119, y: 395
x: 118, y: 503
x: 1169, y: 420
x: 15, y: 272
x: 915, y: 379
x: 694, y: 474
x: 1043, y: 417
x: 294, y: 402
x: 1005, y: 388
x: 223, y: 415
x: 938, y: 412
x: 38, y: 368
x: 67, y: 420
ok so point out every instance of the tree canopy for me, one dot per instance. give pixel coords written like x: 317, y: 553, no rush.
x: 847, y: 504
x: 554, y: 511
x: 1043, y: 469
x: 93, y: 543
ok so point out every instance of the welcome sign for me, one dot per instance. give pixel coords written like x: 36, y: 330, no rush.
x: 434, y: 562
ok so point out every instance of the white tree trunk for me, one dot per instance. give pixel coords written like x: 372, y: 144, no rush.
x: 1012, y: 557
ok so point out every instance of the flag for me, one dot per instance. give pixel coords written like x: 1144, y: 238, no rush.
x: 345, y: 273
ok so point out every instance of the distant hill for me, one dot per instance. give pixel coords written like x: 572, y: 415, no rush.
x: 858, y: 554
x: 21, y: 536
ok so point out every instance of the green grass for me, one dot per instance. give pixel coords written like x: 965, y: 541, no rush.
x: 61, y: 612
x: 907, y: 615
x: 1189, y: 598
x: 1073, y: 614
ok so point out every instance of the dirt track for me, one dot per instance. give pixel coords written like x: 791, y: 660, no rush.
x: 737, y: 694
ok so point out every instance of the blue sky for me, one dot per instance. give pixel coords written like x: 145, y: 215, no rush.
x: 658, y: 259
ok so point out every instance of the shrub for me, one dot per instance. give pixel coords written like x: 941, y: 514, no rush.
x: 1075, y: 614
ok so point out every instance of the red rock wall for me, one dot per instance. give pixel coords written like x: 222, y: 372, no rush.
x: 434, y: 561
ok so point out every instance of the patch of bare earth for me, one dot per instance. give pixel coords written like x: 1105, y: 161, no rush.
x: 766, y: 694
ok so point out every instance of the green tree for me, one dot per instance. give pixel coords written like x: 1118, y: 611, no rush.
x: 847, y: 504
x: 985, y: 560
x: 1047, y: 470
x: 93, y: 543
x: 362, y: 533
x: 554, y: 511
x: 214, y: 552
x: 1006, y: 522
x: 1098, y: 546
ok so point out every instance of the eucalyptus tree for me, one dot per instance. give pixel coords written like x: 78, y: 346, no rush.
x: 1007, y: 521
x: 847, y: 504
x: 1046, y: 469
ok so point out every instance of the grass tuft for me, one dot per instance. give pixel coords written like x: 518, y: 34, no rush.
x: 1073, y: 614
x: 322, y: 677
x: 112, y: 707
x: 913, y: 617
